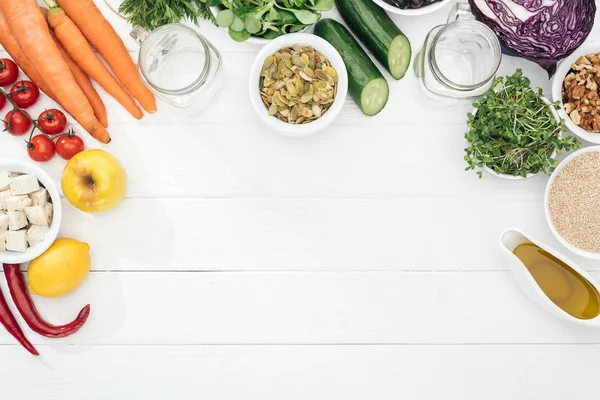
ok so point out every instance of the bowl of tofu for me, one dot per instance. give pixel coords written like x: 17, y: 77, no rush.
x: 30, y: 211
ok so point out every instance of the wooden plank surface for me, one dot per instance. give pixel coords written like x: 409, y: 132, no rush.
x: 302, y: 372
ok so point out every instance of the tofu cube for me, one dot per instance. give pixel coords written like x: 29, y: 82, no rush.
x: 36, y: 234
x: 49, y: 211
x: 17, y: 203
x: 2, y: 241
x: 4, y: 180
x: 38, y: 215
x: 16, y: 220
x: 39, y: 197
x: 3, y: 195
x: 24, y: 184
x: 3, y: 222
x: 16, y: 240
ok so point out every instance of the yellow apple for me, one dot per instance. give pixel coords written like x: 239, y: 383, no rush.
x: 94, y: 181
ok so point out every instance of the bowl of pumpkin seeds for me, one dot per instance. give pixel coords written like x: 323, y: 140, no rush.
x: 298, y: 84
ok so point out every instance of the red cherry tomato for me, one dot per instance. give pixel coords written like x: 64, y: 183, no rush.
x: 2, y: 101
x: 52, y: 121
x: 41, y: 148
x: 69, y: 145
x: 24, y: 93
x: 8, y: 72
x: 16, y: 123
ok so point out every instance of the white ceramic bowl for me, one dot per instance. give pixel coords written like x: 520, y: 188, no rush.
x: 518, y: 178
x: 12, y: 257
x: 252, y: 39
x: 321, y: 46
x: 583, y: 253
x: 557, y: 82
x: 413, y: 11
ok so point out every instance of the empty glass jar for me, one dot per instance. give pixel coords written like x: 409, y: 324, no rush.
x: 459, y: 60
x: 179, y: 65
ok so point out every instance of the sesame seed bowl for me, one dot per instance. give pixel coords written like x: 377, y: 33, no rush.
x: 572, y: 202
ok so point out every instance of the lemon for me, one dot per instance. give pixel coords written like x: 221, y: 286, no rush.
x: 60, y: 269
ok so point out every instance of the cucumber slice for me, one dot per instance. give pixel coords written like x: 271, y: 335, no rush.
x: 366, y: 85
x: 379, y: 33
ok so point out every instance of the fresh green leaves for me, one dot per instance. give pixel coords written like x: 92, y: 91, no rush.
x: 269, y: 18
x: 150, y: 14
x: 513, y: 131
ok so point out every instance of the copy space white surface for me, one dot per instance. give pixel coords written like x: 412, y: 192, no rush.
x: 360, y: 263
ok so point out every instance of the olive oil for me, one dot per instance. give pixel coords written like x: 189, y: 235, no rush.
x: 566, y: 288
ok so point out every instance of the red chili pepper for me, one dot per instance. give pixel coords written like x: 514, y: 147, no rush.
x: 11, y: 325
x: 22, y: 300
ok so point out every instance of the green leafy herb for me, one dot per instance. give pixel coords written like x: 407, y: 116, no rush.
x: 150, y: 14
x: 514, y: 132
x: 269, y: 18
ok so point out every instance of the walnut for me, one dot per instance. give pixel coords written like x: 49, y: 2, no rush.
x: 583, y: 60
x: 575, y: 117
x: 593, y: 58
x: 578, y: 92
x: 581, y: 92
x: 569, y: 107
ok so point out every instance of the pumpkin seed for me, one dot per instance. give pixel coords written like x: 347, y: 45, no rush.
x: 297, y: 84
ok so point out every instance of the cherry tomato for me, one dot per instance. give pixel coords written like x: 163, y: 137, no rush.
x: 8, y: 72
x: 2, y: 101
x: 52, y: 121
x: 24, y: 93
x: 16, y: 123
x: 41, y: 148
x: 69, y: 145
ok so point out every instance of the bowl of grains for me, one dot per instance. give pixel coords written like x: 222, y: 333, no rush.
x: 576, y: 85
x: 572, y: 202
x: 298, y: 84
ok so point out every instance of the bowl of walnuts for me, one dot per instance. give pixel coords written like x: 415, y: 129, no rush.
x: 577, y: 86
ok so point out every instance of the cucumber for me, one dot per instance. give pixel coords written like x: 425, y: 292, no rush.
x: 379, y: 33
x: 366, y: 85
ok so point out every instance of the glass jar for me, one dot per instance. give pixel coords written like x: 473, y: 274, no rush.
x: 179, y: 65
x: 459, y: 60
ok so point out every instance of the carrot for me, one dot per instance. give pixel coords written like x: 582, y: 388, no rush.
x: 103, y: 37
x: 82, y: 53
x: 83, y: 81
x: 10, y: 44
x: 27, y: 24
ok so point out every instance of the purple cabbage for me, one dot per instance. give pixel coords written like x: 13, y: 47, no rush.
x: 543, y: 31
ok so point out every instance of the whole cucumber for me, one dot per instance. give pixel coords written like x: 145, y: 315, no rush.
x: 366, y: 85
x: 379, y: 33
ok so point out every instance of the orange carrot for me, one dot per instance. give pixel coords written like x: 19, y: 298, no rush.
x: 27, y: 25
x: 103, y: 37
x: 83, y: 81
x: 86, y: 86
x: 82, y: 53
x: 11, y: 46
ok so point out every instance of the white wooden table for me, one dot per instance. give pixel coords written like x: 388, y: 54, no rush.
x: 360, y: 263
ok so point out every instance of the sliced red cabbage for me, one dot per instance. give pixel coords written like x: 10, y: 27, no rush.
x: 407, y: 4
x: 543, y: 31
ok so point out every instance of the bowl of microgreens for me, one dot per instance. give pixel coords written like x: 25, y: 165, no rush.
x: 259, y: 21
x: 514, y: 131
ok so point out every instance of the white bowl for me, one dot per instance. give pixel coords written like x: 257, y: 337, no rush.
x: 321, y: 46
x: 253, y: 39
x: 517, y: 178
x: 11, y: 257
x: 413, y: 11
x: 557, y: 82
x: 582, y: 253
